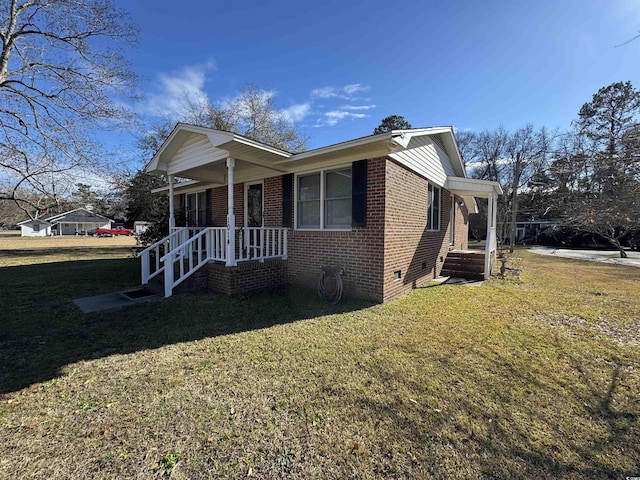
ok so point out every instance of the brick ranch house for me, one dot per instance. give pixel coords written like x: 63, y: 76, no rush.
x: 387, y: 210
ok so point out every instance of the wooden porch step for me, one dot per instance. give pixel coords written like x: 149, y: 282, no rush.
x: 461, y: 264
x: 464, y: 264
x: 462, y: 274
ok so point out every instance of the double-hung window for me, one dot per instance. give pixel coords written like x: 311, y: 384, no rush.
x: 324, y: 200
x: 196, y: 209
x: 433, y: 210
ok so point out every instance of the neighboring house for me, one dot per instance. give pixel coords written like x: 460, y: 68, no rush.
x: 35, y: 228
x: 527, y: 231
x: 73, y: 222
x: 139, y: 227
x: 385, y: 210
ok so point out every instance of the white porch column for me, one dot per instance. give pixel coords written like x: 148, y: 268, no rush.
x: 172, y: 217
x: 488, y: 248
x: 231, y: 218
x: 494, y: 220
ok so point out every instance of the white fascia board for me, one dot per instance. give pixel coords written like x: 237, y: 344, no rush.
x: 337, y: 147
x: 35, y: 220
x: 175, y: 185
x: 260, y: 146
x: 472, y: 186
x: 55, y: 217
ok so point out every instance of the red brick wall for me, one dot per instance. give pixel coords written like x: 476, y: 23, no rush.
x: 358, y: 252
x: 395, y: 238
x: 219, y: 205
x: 418, y: 254
x: 246, y: 277
x: 461, y: 232
x: 272, y: 208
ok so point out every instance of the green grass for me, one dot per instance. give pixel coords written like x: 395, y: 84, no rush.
x: 530, y: 378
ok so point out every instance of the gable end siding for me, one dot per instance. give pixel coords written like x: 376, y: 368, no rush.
x: 427, y: 158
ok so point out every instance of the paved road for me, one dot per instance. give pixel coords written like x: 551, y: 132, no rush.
x: 606, y: 256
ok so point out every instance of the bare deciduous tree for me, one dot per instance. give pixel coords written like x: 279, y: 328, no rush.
x: 62, y: 77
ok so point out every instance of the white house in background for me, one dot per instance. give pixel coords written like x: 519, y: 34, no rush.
x: 140, y: 227
x: 73, y: 222
x: 35, y: 228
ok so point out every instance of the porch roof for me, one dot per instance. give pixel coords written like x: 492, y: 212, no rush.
x: 199, y: 153
x: 472, y: 187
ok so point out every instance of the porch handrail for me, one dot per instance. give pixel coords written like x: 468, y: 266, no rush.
x: 206, y: 245
x: 173, y: 234
x: 156, y: 247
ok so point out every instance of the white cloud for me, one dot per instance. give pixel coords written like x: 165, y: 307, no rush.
x: 357, y: 107
x: 180, y: 92
x: 334, y: 116
x: 355, y: 88
x: 329, y: 112
x: 297, y: 112
x: 347, y: 92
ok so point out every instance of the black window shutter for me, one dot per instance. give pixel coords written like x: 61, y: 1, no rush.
x: 359, y: 193
x: 209, y: 220
x: 287, y: 200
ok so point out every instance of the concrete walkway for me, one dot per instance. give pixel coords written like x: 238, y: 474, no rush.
x: 605, y: 256
x: 108, y: 301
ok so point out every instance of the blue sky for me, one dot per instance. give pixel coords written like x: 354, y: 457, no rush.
x: 339, y: 67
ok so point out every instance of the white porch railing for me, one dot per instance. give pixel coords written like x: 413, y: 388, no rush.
x: 187, y: 249
x: 181, y: 262
x: 490, y: 252
x: 150, y: 256
x: 261, y: 243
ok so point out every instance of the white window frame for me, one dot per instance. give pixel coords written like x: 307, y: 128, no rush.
x: 430, y: 210
x: 322, y: 199
x: 197, y: 210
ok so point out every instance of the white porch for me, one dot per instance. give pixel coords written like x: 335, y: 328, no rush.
x: 187, y: 249
x: 470, y: 188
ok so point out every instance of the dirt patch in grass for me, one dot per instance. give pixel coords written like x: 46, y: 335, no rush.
x: 627, y: 333
x: 447, y: 382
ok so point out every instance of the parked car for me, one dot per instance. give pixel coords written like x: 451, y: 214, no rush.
x: 109, y: 232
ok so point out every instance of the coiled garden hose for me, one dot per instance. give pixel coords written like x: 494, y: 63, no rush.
x: 328, y: 277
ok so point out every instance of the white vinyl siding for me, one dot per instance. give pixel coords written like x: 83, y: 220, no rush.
x: 323, y: 200
x: 196, y: 151
x: 433, y: 210
x: 427, y: 158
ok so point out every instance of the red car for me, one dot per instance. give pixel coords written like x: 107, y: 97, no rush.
x: 108, y: 232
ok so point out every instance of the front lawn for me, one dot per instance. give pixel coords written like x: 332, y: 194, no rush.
x: 537, y: 378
